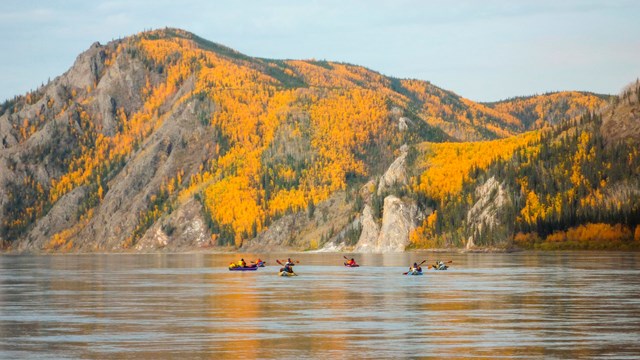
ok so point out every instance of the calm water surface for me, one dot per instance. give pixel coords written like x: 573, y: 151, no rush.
x: 567, y: 305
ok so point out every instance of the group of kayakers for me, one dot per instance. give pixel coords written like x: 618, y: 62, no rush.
x: 416, y: 269
x: 287, y: 266
x: 241, y: 264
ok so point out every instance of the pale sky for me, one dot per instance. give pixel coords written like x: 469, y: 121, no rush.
x: 484, y: 50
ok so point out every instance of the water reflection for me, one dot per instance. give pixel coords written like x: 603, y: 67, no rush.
x: 526, y: 305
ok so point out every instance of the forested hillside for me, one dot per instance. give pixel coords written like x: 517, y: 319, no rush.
x: 166, y: 140
x: 535, y: 112
x: 576, y: 187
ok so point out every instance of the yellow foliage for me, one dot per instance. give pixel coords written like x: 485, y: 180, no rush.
x: 232, y: 201
x: 526, y: 240
x: 592, y: 233
x: 424, y: 236
x: 447, y: 165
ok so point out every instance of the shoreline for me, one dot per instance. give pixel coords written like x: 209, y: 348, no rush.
x: 223, y: 251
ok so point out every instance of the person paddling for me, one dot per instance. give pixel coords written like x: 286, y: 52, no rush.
x: 288, y: 266
x: 440, y: 265
x: 415, y: 269
x: 289, y: 262
x: 351, y: 262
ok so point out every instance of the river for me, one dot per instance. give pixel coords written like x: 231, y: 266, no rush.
x: 555, y: 305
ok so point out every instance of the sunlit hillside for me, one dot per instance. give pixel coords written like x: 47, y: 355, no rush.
x: 574, y: 187
x: 164, y: 139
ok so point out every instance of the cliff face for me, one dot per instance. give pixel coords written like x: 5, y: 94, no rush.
x: 368, y: 241
x: 399, y: 216
x: 484, y: 219
x: 396, y: 174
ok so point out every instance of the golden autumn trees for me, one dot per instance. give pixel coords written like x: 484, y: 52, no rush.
x: 284, y: 135
x: 443, y: 169
x: 447, y: 165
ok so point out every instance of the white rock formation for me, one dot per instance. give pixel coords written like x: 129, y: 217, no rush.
x: 398, y: 220
x: 397, y: 172
x: 491, y: 198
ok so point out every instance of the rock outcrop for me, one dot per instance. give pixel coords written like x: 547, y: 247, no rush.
x: 398, y: 220
x: 368, y: 241
x: 403, y: 123
x: 396, y: 174
x: 484, y: 216
x: 183, y: 229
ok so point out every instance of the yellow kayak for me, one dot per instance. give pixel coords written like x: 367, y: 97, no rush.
x: 284, y: 273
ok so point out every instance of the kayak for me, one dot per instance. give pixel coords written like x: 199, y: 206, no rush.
x: 240, y: 268
x: 284, y: 273
x: 261, y: 264
x: 441, y: 268
x: 414, y: 273
x: 347, y: 265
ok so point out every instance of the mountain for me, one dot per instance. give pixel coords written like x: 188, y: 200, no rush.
x: 164, y: 140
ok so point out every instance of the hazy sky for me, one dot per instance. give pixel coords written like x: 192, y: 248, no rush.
x: 484, y: 49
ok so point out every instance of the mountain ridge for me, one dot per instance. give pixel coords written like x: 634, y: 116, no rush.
x: 155, y: 142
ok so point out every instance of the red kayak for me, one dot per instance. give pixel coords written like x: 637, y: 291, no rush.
x: 354, y: 265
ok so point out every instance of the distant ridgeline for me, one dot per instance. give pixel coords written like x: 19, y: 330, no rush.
x: 164, y: 140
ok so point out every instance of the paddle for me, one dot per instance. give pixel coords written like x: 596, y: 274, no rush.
x: 423, y: 261
x: 278, y: 261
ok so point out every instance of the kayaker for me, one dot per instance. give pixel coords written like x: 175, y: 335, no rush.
x: 351, y: 262
x: 415, y: 267
x: 242, y: 263
x: 287, y: 268
x: 288, y: 262
x: 440, y: 265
